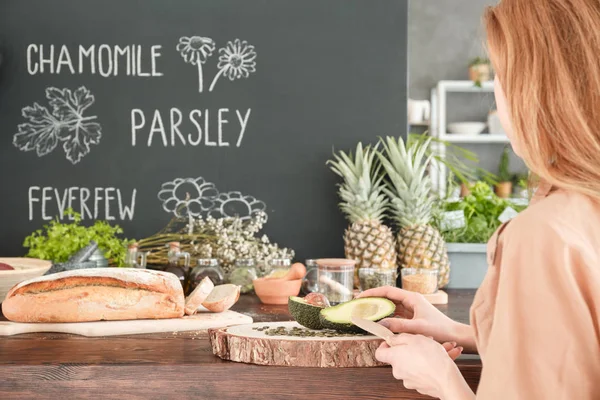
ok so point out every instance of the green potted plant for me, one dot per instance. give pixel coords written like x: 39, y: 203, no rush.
x: 57, y: 241
x: 473, y: 220
x: 480, y: 70
x: 505, y: 185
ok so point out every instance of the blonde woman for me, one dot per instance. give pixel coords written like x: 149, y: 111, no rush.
x: 535, y: 318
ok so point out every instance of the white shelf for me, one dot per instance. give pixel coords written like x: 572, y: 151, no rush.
x: 422, y: 123
x: 481, y: 138
x: 465, y: 86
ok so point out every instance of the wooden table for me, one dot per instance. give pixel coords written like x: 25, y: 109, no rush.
x: 181, y: 366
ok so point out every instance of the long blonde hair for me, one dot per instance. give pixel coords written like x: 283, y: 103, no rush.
x: 547, y: 58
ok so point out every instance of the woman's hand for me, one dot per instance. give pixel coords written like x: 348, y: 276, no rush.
x: 423, y: 365
x: 419, y: 316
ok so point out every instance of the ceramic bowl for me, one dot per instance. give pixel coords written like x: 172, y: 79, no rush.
x: 24, y: 269
x: 276, y: 291
x: 467, y: 128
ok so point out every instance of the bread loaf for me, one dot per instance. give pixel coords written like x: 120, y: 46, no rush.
x: 96, y: 294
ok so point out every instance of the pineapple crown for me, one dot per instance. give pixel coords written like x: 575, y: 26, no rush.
x: 362, y: 190
x: 408, y: 185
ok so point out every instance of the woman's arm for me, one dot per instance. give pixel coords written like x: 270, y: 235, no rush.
x: 465, y: 337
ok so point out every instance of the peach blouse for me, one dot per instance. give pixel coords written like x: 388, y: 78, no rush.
x: 536, y: 316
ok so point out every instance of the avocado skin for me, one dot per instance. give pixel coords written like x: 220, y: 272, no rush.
x: 348, y: 327
x: 306, y: 315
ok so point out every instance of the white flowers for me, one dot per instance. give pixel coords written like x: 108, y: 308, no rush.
x: 235, y: 239
x: 237, y: 59
x: 195, y: 50
x: 188, y: 197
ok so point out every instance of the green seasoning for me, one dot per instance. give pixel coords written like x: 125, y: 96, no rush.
x: 305, y: 314
x: 371, y: 308
x: 301, y: 332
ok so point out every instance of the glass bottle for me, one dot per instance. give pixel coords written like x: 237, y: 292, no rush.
x: 206, y: 267
x: 133, y: 254
x: 243, y: 274
x: 174, y: 266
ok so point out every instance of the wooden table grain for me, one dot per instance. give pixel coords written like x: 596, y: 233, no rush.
x: 181, y: 365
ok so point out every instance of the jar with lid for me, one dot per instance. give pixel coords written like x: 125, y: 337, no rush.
x: 206, y: 267
x: 133, y: 255
x: 176, y: 266
x: 336, y: 279
x: 276, y: 267
x: 243, y: 274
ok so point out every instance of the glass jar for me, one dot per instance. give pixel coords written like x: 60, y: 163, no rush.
x: 181, y: 270
x: 243, y: 274
x: 277, y: 267
x: 376, y: 277
x: 133, y: 254
x: 309, y: 282
x: 420, y: 280
x: 207, y: 267
x: 336, y: 279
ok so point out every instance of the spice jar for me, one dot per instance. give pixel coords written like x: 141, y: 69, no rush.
x: 277, y: 267
x: 207, y: 267
x: 180, y: 270
x: 336, y: 279
x: 243, y: 274
x: 376, y: 277
x: 133, y: 254
x: 420, y: 280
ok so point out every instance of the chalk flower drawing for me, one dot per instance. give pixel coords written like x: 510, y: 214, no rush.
x: 188, y: 197
x: 237, y: 60
x: 235, y: 204
x: 65, y: 124
x: 195, y: 197
x: 196, y: 50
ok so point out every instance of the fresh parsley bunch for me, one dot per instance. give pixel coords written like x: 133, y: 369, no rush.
x: 57, y: 241
x: 481, y: 209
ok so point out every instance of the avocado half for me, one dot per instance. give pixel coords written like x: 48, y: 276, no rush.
x: 371, y: 308
x: 305, y: 314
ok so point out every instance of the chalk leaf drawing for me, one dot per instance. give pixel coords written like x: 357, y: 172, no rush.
x: 185, y: 197
x: 188, y: 196
x: 235, y: 204
x: 196, y: 50
x: 237, y: 60
x: 66, y: 124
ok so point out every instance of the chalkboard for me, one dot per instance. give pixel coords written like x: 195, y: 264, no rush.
x: 121, y: 107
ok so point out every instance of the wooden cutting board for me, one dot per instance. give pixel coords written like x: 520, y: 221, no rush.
x: 244, y: 344
x: 198, y: 322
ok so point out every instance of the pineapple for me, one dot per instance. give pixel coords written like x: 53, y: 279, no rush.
x: 367, y: 240
x: 420, y: 245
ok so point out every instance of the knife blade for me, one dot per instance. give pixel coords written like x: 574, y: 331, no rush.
x: 374, y: 328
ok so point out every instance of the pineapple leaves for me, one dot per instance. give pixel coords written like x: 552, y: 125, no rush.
x: 362, y: 189
x: 409, y: 186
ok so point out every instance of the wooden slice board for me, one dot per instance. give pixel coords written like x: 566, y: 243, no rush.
x: 244, y: 344
x: 197, y: 322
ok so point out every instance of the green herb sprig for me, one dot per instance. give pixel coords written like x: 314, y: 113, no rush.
x: 57, y: 241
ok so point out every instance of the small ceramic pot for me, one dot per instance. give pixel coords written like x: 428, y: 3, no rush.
x: 480, y: 73
x: 276, y: 291
x: 504, y: 189
x: 464, y: 190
